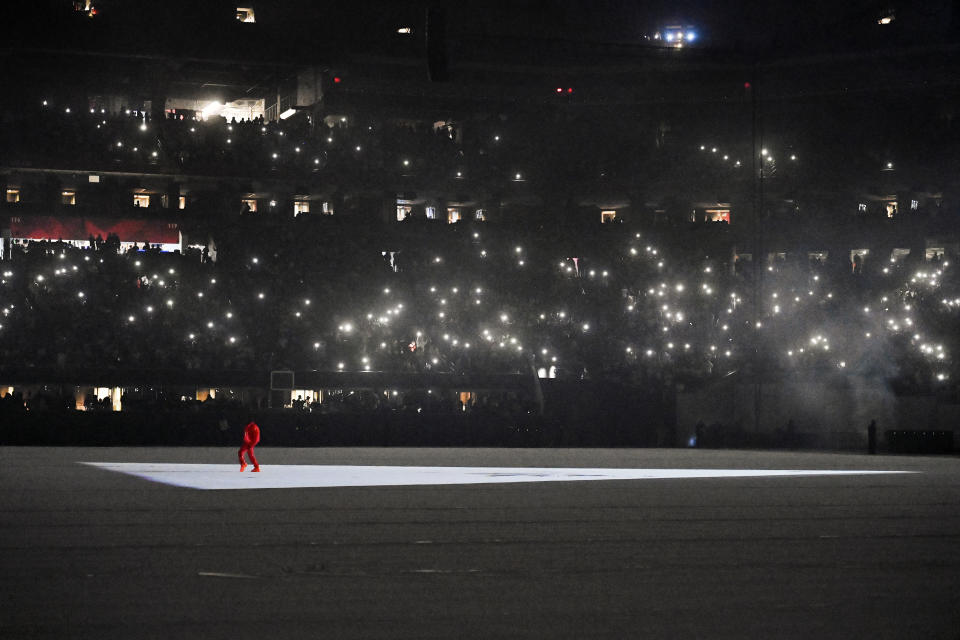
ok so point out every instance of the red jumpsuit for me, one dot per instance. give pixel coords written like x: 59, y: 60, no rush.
x: 251, y: 436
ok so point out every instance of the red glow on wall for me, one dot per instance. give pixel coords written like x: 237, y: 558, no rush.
x: 128, y: 230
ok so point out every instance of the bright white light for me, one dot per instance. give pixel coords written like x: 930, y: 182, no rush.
x: 212, y: 109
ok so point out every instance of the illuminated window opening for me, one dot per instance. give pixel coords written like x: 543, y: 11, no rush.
x: 246, y: 14
x: 85, y: 6
x: 899, y: 254
x: 607, y: 216
x: 480, y: 215
x: 141, y: 200
x: 862, y: 207
x: 914, y: 205
x: 13, y: 195
x: 308, y: 396
x: 857, y: 258
x: 403, y: 210
x: 68, y: 197
x: 453, y: 215
x: 301, y: 206
x: 112, y: 393
x: 891, y: 209
x: 182, y: 202
x: 717, y: 215
x: 431, y: 213
x: 250, y: 203
x: 327, y: 209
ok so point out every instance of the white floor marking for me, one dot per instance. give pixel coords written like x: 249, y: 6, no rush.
x: 290, y: 476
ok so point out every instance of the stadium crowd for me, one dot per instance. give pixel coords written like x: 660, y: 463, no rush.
x: 318, y: 294
x: 131, y: 140
x: 483, y: 154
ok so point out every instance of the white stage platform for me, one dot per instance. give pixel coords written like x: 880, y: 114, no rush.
x: 228, y: 476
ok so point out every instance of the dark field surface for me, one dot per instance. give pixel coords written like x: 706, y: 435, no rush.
x: 87, y: 553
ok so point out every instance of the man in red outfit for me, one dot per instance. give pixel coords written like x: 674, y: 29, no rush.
x: 251, y: 436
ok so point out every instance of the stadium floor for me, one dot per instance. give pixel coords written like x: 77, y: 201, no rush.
x: 89, y: 552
